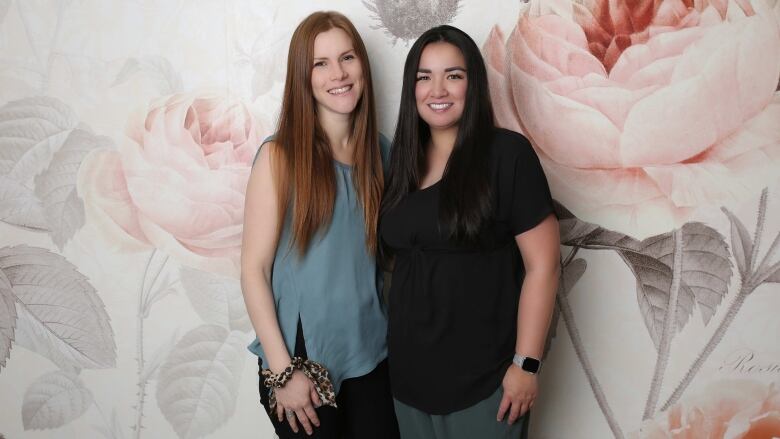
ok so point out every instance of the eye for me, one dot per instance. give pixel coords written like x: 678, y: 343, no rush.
x: 349, y: 57
x: 454, y: 76
x: 423, y: 77
x: 319, y: 64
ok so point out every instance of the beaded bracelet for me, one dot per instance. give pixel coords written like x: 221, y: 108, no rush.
x: 317, y: 373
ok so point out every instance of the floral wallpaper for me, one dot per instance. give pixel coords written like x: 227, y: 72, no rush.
x: 127, y: 130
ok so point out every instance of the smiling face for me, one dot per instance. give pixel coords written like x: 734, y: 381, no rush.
x: 337, y: 73
x: 440, y: 90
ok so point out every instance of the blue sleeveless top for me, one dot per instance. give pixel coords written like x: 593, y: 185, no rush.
x: 335, y: 288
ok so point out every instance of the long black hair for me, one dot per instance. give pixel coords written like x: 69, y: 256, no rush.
x: 465, y: 199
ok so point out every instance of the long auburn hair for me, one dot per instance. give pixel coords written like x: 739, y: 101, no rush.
x: 465, y: 194
x: 303, y: 161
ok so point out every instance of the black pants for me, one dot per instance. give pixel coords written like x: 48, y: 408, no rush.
x: 365, y: 407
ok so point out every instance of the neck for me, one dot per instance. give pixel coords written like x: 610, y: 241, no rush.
x: 338, y: 128
x: 443, y: 140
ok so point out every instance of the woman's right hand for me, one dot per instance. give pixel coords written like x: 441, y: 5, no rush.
x: 297, y: 399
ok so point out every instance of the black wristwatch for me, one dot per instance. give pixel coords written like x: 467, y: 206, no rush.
x: 528, y: 364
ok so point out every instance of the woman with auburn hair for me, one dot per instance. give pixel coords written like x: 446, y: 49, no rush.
x: 308, y: 271
x: 468, y: 219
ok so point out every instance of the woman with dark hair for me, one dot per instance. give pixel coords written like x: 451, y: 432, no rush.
x: 467, y: 222
x: 308, y: 272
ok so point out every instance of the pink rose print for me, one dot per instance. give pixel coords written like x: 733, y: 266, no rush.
x: 178, y: 183
x: 643, y: 111
x: 733, y: 409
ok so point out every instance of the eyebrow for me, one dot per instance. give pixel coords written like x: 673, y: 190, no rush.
x: 448, y: 69
x: 340, y: 55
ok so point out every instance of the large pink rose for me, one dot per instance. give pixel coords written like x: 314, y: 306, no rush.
x: 729, y: 409
x: 643, y: 111
x: 178, y: 183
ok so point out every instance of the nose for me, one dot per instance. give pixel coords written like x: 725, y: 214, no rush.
x: 438, y: 90
x: 337, y: 72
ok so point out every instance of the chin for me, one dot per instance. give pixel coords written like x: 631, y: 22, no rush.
x: 344, y: 109
x: 438, y: 124
x: 339, y: 107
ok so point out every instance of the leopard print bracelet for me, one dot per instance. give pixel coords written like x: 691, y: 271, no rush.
x: 316, y: 372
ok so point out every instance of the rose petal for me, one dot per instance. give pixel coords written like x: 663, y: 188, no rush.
x: 187, y: 210
x: 636, y: 60
x: 726, y: 409
x: 757, y: 143
x: 624, y: 200
x: 613, y: 102
x: 695, y: 111
x: 551, y: 46
x: 102, y: 184
x: 696, y: 184
x: 168, y: 243
x: 561, y: 8
x: 222, y: 242
x: 500, y: 91
x: 558, y: 126
x: 672, y: 13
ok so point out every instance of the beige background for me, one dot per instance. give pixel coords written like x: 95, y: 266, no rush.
x: 93, y: 98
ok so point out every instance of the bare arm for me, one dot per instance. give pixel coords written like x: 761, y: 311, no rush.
x: 257, y: 256
x: 540, y: 248
x: 258, y: 250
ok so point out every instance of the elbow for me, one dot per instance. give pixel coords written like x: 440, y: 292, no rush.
x: 252, y: 273
x: 554, y: 275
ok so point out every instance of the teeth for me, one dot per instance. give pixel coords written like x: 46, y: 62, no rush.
x: 338, y: 91
x: 439, y: 106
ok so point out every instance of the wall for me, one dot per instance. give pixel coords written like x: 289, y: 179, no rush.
x: 126, y: 133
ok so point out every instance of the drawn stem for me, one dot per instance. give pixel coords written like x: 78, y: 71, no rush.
x: 570, y: 257
x: 749, y: 281
x: 139, y: 408
x: 744, y: 291
x: 670, y: 320
x: 574, y: 334
x: 770, y: 254
x: 54, y: 40
x: 148, y: 295
x: 759, y: 230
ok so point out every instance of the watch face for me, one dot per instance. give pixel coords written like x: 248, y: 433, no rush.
x: 531, y: 365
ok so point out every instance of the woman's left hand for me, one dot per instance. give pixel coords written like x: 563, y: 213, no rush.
x: 520, y: 389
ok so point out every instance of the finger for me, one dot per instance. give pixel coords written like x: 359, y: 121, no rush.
x: 523, y: 409
x: 304, y: 420
x: 315, y: 398
x: 514, y: 412
x: 293, y: 423
x: 279, y: 412
x: 312, y: 414
x: 502, y: 408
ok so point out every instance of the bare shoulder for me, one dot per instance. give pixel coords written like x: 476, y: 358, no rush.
x: 265, y: 153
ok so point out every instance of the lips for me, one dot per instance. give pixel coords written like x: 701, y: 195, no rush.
x: 340, y: 90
